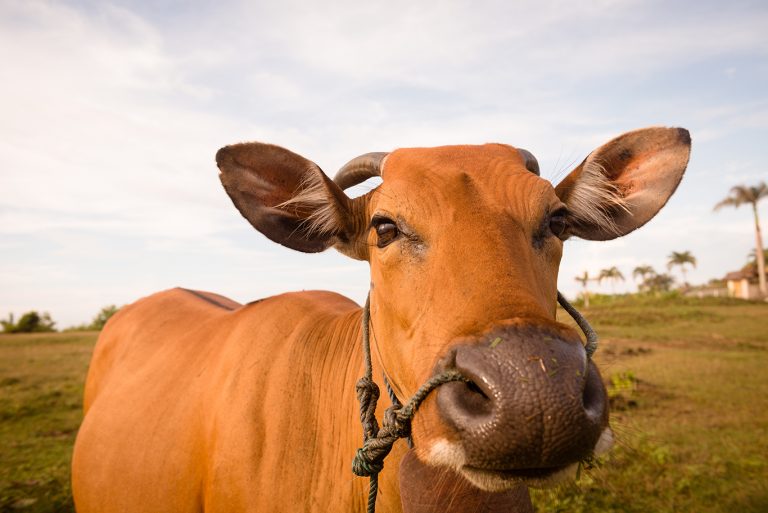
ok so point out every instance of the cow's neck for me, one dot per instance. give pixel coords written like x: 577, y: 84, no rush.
x: 327, y: 360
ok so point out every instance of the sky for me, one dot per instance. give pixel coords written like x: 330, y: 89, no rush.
x: 111, y: 114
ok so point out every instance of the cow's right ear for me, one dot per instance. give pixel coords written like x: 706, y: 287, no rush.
x: 285, y: 196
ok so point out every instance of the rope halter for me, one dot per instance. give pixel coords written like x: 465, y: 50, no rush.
x: 378, y: 442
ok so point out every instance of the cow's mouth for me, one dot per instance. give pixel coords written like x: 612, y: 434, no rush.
x: 441, y: 452
x: 503, y: 479
x: 496, y: 480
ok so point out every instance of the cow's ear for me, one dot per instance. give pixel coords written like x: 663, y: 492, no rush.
x: 285, y: 196
x: 624, y: 183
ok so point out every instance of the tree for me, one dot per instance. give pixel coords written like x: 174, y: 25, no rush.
x: 613, y: 274
x: 642, y: 271
x: 740, y: 195
x: 102, y: 317
x: 8, y: 324
x: 584, y: 280
x: 752, y: 260
x: 30, y: 322
x: 98, y: 322
x: 658, y: 283
x: 681, y: 259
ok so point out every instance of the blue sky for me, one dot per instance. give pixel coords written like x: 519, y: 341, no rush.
x: 112, y: 113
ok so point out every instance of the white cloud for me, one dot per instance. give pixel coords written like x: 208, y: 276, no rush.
x: 112, y: 115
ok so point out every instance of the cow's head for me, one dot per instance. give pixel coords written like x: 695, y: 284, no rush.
x: 464, y: 244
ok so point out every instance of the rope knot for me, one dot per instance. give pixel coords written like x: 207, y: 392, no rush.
x: 395, y: 423
x: 369, y: 459
x: 367, y: 391
x: 364, y: 466
x: 368, y: 395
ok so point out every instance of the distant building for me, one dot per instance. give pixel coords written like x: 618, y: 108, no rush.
x: 713, y: 290
x: 743, y: 284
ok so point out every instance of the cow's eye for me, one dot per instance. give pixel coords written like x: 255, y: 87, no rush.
x: 386, y: 230
x: 558, y: 223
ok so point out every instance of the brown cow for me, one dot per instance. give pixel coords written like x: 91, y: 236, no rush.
x: 197, y: 403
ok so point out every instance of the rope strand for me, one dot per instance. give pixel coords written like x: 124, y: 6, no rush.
x: 591, y: 346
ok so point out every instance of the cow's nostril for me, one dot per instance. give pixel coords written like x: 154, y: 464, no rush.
x: 465, y: 403
x: 476, y: 389
x: 474, y: 401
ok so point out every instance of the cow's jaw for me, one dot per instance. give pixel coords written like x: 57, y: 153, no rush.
x: 445, y: 453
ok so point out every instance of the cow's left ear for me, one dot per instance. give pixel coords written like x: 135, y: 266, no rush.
x: 624, y: 183
x: 286, y: 197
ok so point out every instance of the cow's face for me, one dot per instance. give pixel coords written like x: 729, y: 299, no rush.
x: 464, y: 244
x: 460, y: 238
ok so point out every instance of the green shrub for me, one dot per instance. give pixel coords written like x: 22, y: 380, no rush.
x: 30, y: 322
x: 98, y: 322
x: 623, y: 382
x: 103, y: 316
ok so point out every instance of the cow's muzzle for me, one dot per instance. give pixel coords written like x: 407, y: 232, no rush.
x: 534, y: 403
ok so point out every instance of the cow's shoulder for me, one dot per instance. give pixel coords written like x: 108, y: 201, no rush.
x: 308, y: 301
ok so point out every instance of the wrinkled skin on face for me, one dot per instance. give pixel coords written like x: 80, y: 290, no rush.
x: 464, y: 244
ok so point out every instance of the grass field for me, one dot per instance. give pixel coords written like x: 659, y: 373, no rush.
x: 41, y: 388
x: 688, y: 381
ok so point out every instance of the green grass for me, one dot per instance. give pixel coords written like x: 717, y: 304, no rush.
x: 41, y: 388
x: 679, y: 321
x: 688, y: 380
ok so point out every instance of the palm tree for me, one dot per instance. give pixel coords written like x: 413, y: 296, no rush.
x: 752, y: 259
x: 584, y: 280
x: 612, y: 274
x: 642, y: 271
x: 740, y: 195
x: 681, y: 259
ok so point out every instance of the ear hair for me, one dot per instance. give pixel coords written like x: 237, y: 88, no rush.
x: 327, y: 213
x: 312, y: 197
x: 595, y: 199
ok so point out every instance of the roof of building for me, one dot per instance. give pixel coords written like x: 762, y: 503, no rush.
x: 744, y: 274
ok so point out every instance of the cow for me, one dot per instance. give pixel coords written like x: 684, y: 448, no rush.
x: 194, y: 402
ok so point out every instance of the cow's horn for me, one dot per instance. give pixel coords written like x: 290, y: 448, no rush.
x: 531, y: 164
x: 359, y: 169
